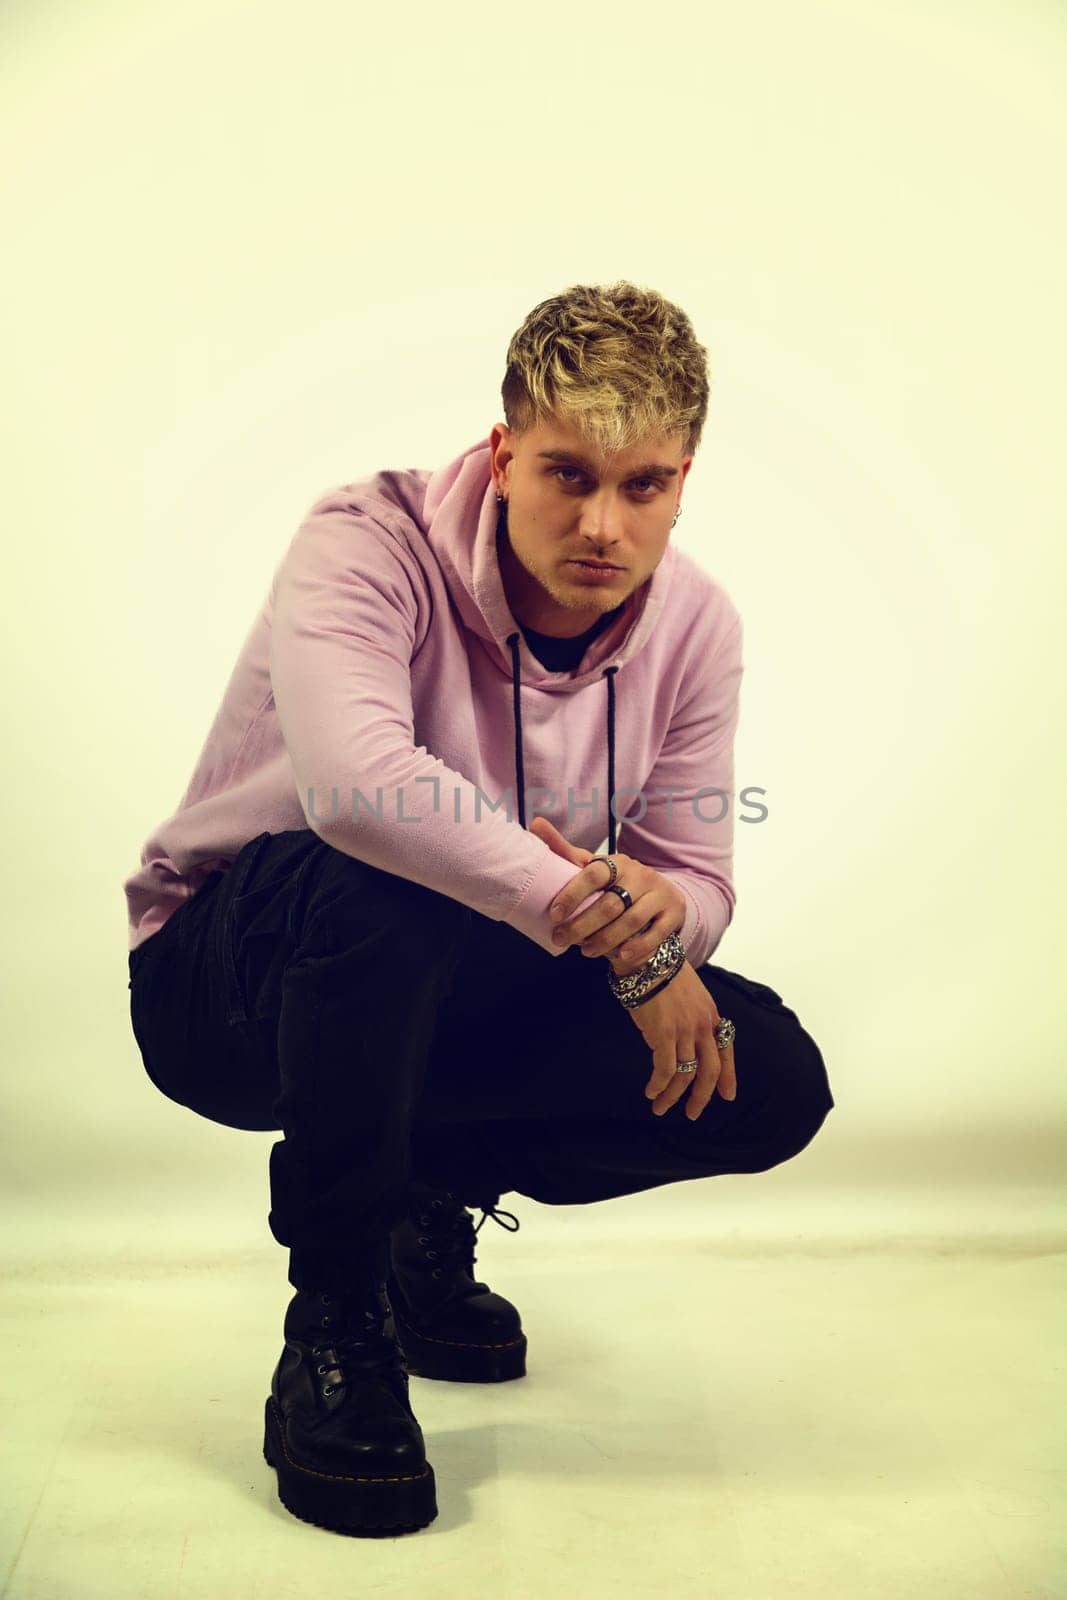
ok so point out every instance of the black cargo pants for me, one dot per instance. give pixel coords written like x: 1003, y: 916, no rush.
x: 390, y: 1032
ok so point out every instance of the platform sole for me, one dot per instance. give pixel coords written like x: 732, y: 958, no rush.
x: 423, y: 1356
x: 371, y: 1507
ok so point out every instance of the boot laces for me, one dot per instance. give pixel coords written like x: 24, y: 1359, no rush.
x: 360, y: 1330
x: 451, y: 1232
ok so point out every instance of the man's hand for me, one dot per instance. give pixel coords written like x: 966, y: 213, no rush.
x: 678, y: 1024
x: 627, y: 936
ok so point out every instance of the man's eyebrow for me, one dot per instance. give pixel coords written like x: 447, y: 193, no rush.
x: 652, y: 469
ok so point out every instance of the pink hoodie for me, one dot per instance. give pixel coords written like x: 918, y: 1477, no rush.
x: 386, y: 698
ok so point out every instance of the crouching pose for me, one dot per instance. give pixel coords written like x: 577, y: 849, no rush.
x: 382, y: 921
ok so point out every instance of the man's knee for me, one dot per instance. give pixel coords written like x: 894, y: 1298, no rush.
x: 809, y: 1097
x: 791, y: 1074
x: 361, y: 900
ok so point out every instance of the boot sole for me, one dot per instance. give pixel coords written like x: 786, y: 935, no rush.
x: 372, y: 1507
x: 423, y: 1356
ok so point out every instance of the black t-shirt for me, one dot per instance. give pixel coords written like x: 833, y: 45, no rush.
x: 563, y: 655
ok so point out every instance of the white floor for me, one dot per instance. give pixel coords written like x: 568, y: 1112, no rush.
x: 749, y: 1388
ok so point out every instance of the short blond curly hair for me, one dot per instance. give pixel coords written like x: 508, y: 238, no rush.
x: 617, y: 361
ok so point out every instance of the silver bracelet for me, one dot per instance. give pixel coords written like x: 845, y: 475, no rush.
x: 647, y: 994
x: 666, y: 959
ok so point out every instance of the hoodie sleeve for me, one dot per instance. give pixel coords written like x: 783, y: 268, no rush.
x: 691, y: 783
x: 350, y: 605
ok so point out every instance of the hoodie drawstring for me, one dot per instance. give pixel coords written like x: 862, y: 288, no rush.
x: 513, y: 641
x: 609, y: 674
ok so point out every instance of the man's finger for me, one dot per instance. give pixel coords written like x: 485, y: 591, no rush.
x: 679, y: 1081
x: 663, y: 1059
x: 728, y: 1076
x: 557, y: 842
x: 709, y: 1075
x: 579, y: 889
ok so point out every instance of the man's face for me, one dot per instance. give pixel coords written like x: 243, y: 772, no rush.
x: 565, y: 504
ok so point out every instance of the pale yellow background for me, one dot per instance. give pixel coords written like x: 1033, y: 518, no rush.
x: 255, y: 251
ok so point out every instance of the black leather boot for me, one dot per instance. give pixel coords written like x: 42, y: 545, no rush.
x: 447, y: 1323
x: 340, y: 1431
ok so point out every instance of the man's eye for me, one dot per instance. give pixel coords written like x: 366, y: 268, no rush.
x: 555, y: 470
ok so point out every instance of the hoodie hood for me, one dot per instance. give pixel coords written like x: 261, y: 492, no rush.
x: 461, y: 516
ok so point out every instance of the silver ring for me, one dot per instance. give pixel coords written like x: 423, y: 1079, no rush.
x: 686, y: 1066
x: 612, y: 867
x: 624, y: 894
x: 725, y: 1033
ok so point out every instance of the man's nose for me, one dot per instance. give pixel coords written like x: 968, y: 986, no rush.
x: 598, y: 526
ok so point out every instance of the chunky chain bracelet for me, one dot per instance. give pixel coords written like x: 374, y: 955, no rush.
x: 663, y: 964
x: 648, y: 993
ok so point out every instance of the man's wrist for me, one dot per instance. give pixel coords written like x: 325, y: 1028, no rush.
x: 664, y: 961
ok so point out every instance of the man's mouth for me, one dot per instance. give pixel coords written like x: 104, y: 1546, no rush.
x: 597, y: 566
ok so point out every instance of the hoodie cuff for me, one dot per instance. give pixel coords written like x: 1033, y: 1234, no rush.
x: 531, y: 916
x: 692, y: 929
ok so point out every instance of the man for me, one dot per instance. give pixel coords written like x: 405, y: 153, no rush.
x: 346, y: 931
